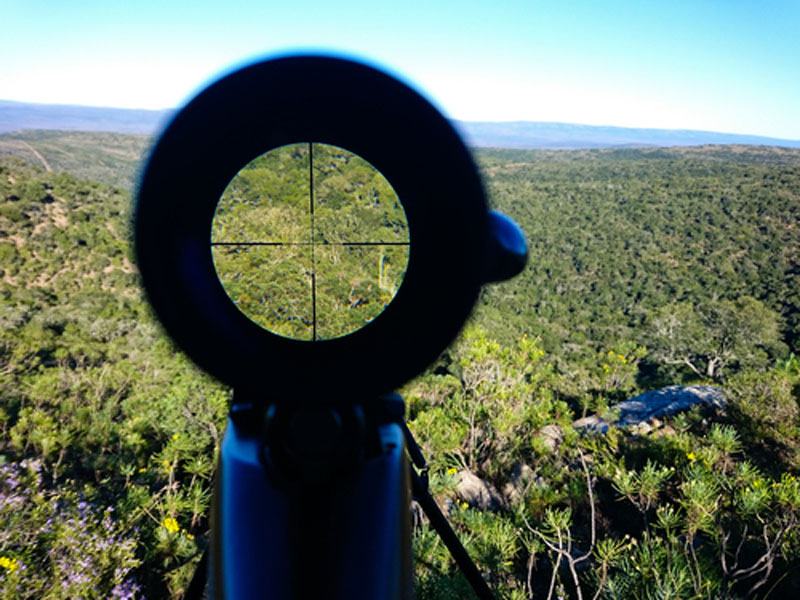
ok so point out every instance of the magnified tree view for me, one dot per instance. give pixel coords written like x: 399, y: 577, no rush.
x: 310, y: 241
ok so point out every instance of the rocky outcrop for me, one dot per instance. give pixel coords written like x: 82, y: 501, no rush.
x: 551, y: 436
x: 478, y: 493
x: 520, y: 479
x: 592, y: 424
x: 642, y: 410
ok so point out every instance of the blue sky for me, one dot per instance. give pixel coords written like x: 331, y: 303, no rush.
x: 728, y: 66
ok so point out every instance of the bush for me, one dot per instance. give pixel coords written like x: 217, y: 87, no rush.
x: 58, y: 545
x: 12, y: 212
x: 764, y: 409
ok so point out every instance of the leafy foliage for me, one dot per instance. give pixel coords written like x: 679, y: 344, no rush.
x: 108, y: 436
x: 714, y: 335
x: 310, y: 241
x: 112, y: 158
x: 616, y: 235
x: 122, y: 429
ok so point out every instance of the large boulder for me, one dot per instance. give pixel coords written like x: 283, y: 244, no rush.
x: 519, y: 480
x: 668, y: 401
x: 656, y: 404
x: 551, y: 436
x: 478, y: 493
x: 592, y: 424
x: 418, y: 516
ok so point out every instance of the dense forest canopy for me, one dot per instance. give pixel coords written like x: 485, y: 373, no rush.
x: 111, y: 158
x: 648, y: 267
x: 620, y: 237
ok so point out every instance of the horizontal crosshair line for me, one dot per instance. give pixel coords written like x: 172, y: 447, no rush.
x: 310, y: 243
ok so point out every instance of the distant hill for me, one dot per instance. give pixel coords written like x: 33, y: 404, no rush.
x: 18, y: 116
x: 615, y: 234
x: 115, y: 158
x: 568, y: 136
x: 112, y: 158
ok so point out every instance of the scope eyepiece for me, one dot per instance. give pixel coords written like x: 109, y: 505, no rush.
x: 507, y: 253
x: 311, y: 228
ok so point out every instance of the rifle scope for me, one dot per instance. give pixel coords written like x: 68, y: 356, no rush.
x: 309, y: 227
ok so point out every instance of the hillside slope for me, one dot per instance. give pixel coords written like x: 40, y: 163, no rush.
x: 112, y: 158
x: 616, y: 235
x: 570, y: 136
x: 108, y: 435
x: 17, y: 116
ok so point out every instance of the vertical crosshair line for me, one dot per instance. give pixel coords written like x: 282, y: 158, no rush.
x: 313, y: 264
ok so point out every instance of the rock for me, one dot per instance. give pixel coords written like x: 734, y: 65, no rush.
x: 666, y: 430
x: 552, y: 436
x: 667, y: 401
x: 521, y: 474
x: 477, y: 493
x: 644, y: 411
x: 591, y: 424
x: 446, y: 506
x: 520, y: 478
x: 417, y: 515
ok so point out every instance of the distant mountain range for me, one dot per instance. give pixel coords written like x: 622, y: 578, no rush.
x: 17, y: 116
x: 532, y: 134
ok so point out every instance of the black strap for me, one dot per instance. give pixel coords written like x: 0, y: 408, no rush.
x: 197, y: 587
x: 419, y: 488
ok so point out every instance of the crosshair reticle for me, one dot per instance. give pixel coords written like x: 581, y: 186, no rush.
x: 310, y: 241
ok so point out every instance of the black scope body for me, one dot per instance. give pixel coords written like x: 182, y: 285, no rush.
x: 454, y: 243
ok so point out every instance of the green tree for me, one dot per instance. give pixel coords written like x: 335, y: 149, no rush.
x: 713, y: 336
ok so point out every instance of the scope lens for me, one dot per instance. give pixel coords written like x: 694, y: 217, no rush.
x: 310, y: 241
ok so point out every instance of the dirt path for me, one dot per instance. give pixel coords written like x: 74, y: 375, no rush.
x: 39, y: 156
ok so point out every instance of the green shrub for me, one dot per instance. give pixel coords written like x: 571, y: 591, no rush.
x: 763, y: 407
x: 13, y: 212
x: 58, y: 545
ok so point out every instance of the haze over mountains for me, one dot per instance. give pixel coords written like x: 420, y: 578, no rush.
x: 16, y: 116
x: 569, y: 136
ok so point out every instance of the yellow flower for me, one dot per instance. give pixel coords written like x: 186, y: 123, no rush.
x: 142, y: 470
x: 9, y: 563
x: 756, y: 483
x: 176, y: 436
x: 170, y: 525
x: 691, y: 456
x: 189, y: 536
x: 452, y: 471
x: 464, y: 505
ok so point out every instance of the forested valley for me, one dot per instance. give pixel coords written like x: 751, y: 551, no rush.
x: 648, y: 268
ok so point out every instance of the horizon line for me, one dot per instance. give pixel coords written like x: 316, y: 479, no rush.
x: 163, y: 111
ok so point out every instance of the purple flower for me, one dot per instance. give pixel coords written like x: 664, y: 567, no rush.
x: 126, y: 590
